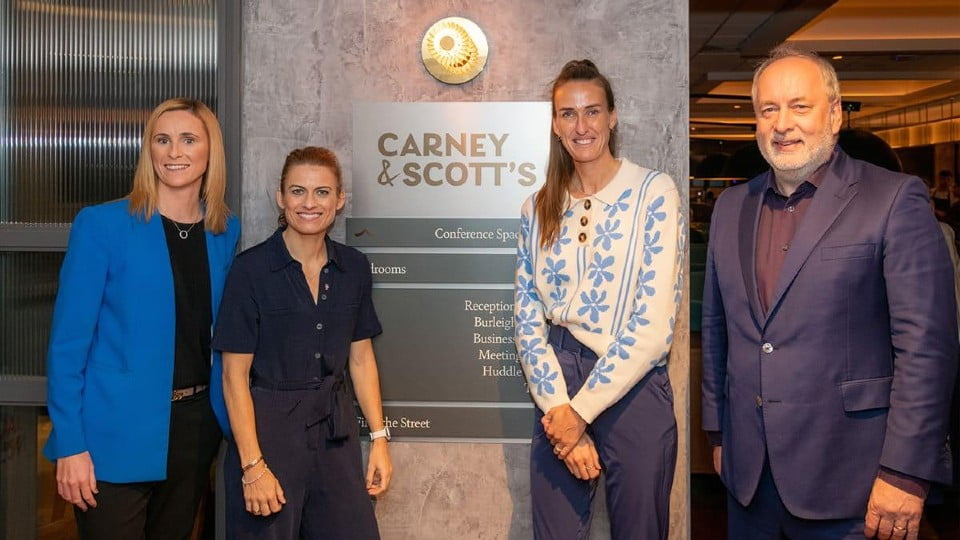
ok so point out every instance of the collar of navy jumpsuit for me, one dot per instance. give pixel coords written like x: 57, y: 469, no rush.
x: 323, y: 399
x: 280, y: 256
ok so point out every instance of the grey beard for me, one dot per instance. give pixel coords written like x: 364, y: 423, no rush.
x: 797, y: 176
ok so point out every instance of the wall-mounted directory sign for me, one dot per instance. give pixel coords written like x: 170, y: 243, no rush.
x: 437, y: 189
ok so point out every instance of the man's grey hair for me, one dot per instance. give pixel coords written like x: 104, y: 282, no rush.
x: 789, y: 50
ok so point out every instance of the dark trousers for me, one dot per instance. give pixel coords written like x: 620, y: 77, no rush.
x: 766, y: 518
x: 167, y: 509
x: 636, y: 439
x: 323, y: 480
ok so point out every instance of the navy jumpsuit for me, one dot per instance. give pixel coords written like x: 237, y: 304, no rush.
x: 305, y: 418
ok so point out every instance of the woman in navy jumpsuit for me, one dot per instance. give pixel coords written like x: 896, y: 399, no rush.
x: 296, y: 315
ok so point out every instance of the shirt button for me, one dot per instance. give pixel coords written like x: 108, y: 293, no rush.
x: 323, y: 297
x: 584, y: 221
x: 791, y: 209
x: 767, y: 348
x: 319, y: 326
x: 582, y: 237
x: 586, y: 204
x: 318, y: 355
x: 785, y: 247
x: 326, y: 270
x: 759, y: 402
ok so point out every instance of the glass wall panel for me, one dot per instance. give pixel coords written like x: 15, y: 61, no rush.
x: 28, y: 287
x: 78, y: 81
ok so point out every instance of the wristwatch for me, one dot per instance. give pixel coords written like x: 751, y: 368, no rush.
x: 383, y: 433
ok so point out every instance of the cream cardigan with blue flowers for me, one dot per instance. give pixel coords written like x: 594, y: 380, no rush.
x: 612, y: 278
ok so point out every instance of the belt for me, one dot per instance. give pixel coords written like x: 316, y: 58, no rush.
x: 322, y: 399
x: 181, y: 393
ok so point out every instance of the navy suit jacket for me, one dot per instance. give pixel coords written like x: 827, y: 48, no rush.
x: 110, y: 361
x: 852, y: 366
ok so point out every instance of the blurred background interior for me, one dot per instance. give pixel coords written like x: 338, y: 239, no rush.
x: 899, y: 68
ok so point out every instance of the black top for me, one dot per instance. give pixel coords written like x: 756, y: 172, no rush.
x: 268, y: 310
x: 191, y: 289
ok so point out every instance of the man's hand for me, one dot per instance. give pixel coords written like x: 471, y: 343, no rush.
x: 717, y: 458
x: 892, y: 512
x: 76, y: 482
x: 563, y: 427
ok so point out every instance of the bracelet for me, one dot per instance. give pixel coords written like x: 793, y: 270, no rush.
x: 251, y: 465
x: 259, y: 476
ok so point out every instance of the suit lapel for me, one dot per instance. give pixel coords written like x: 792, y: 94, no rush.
x: 838, y: 188
x: 749, y: 219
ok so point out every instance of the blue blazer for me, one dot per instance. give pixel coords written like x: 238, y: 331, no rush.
x: 110, y: 361
x: 852, y: 366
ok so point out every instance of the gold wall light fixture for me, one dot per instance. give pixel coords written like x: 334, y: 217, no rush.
x: 454, y: 50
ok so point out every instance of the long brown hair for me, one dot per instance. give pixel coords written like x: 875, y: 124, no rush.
x: 310, y: 155
x: 551, y: 197
x: 143, y: 195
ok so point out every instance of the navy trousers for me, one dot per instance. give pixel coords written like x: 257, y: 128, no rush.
x: 766, y: 518
x: 322, y: 479
x: 636, y: 439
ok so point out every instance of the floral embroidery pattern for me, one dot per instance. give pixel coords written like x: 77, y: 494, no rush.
x: 558, y: 296
x: 597, y: 271
x: 607, y: 234
x: 553, y: 272
x: 562, y: 240
x: 531, y: 350
x: 593, y: 304
x: 527, y: 321
x: 526, y: 291
x: 599, y: 373
x: 611, y: 291
x: 542, y: 379
x: 621, y: 204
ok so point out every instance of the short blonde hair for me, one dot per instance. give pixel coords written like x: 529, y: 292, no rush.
x: 143, y: 195
x: 789, y: 50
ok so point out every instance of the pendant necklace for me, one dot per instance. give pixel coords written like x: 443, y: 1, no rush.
x: 183, y: 233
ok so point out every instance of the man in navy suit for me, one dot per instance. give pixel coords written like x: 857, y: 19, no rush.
x: 829, y: 328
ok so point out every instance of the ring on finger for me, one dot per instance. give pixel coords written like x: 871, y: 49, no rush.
x: 899, y: 528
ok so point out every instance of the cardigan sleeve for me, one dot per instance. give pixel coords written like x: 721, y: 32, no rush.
x: 644, y: 341
x: 537, y: 358
x: 83, y: 278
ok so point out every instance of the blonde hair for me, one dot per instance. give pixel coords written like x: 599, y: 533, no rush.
x: 552, y: 196
x: 143, y: 195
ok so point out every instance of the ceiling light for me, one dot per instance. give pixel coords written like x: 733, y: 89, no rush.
x: 838, y: 57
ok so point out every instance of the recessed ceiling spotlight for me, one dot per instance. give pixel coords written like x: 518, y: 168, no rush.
x: 736, y: 106
x: 838, y: 57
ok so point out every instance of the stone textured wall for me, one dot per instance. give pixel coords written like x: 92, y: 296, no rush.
x: 306, y: 61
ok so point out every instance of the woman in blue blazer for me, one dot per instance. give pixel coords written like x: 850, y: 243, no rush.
x: 129, y: 364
